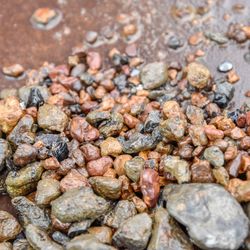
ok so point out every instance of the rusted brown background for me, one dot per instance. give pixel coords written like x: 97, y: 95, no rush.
x: 156, y: 21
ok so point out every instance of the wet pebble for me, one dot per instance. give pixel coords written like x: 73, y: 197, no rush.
x: 9, y: 226
x: 78, y: 204
x: 10, y: 113
x: 87, y: 241
x: 214, y: 219
x: 47, y: 190
x: 154, y: 75
x: 29, y: 213
x: 39, y: 239
x: 225, y: 66
x: 214, y: 155
x: 167, y: 234
x: 91, y: 36
x: 14, y: 70
x: 134, y: 233
x: 111, y: 146
x: 177, y: 167
x: 24, y: 154
x: 123, y: 210
x: 198, y: 75
x: 106, y: 187
x: 52, y: 118
x: 134, y: 167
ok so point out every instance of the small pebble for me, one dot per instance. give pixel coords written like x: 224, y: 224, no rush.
x: 225, y: 66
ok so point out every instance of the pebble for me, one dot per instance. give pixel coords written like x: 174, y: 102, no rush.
x: 176, y: 167
x: 106, y: 187
x: 6, y: 246
x: 82, y: 131
x: 175, y: 42
x: 123, y: 210
x: 5, y: 152
x: 4, y: 93
x: 94, y: 60
x: 198, y: 135
x: 173, y: 128
x: 21, y: 244
x: 239, y: 189
x: 26, y: 92
x: 216, y: 37
x: 134, y: 167
x: 167, y: 234
x: 198, y: 75
x: 47, y: 190
x: 134, y: 233
x: 103, y: 234
x: 150, y: 186
x: 44, y: 15
x: 10, y: 113
x: 201, y: 172
x: 100, y: 166
x: 79, y: 204
x: 171, y: 109
x: 51, y: 117
x: 213, y: 133
x: 221, y: 175
x: 30, y: 213
x: 129, y: 29
x: 138, y: 142
x: 154, y: 75
x: 24, y: 154
x: 91, y: 36
x: 214, y: 219
x: 14, y: 70
x: 119, y: 163
x: 9, y: 226
x: 111, y: 146
x: 87, y: 241
x: 214, y: 155
x: 152, y: 121
x: 22, y: 132
x: 112, y: 126
x: 90, y: 152
x: 24, y: 181
x: 60, y: 238
x: 225, y: 66
x: 195, y: 115
x: 39, y: 239
x: 73, y: 179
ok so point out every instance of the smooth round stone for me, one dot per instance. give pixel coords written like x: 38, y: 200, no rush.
x: 225, y: 66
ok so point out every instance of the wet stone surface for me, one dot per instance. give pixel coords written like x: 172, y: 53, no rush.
x: 208, y: 210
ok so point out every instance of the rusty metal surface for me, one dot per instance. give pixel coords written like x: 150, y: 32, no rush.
x: 156, y: 21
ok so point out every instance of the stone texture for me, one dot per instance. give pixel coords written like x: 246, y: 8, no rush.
x: 134, y: 233
x: 214, y: 219
x: 79, y: 204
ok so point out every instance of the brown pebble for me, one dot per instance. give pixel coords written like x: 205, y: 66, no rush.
x: 94, y: 60
x: 51, y: 163
x: 130, y: 120
x: 111, y: 146
x: 213, y: 133
x: 103, y: 234
x: 150, y: 186
x: 119, y: 163
x: 14, y: 70
x: 140, y: 205
x: 129, y: 30
x: 201, y: 172
x: 44, y: 15
x: 232, y: 77
x: 73, y: 179
x: 100, y: 166
x: 90, y: 152
x: 24, y: 154
x: 237, y: 133
x: 239, y: 189
x: 81, y: 130
x: 230, y: 153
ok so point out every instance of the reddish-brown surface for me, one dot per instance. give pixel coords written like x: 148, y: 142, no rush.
x: 156, y: 21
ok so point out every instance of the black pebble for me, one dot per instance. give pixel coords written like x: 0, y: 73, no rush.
x: 221, y: 100
x: 35, y: 98
x: 60, y: 150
